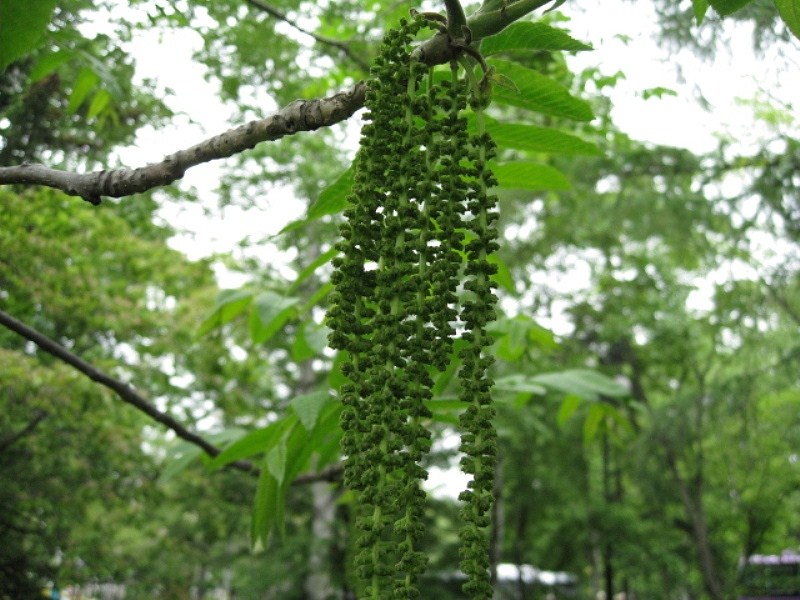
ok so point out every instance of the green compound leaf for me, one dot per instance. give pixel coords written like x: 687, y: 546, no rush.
x: 333, y: 198
x: 531, y: 36
x: 270, y: 312
x: 789, y: 10
x: 255, y: 442
x: 537, y: 139
x: 538, y: 93
x: 268, y: 508
x: 728, y: 7
x: 22, y: 23
x: 521, y: 175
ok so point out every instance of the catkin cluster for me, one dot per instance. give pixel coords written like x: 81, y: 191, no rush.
x: 402, y: 293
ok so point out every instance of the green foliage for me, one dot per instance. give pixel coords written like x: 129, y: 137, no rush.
x: 21, y: 26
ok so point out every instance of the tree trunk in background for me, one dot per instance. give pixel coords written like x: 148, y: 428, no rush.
x: 318, y: 584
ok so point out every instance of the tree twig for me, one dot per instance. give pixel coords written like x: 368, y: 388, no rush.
x: 25, y: 431
x: 129, y: 395
x: 339, y: 44
x: 300, y: 115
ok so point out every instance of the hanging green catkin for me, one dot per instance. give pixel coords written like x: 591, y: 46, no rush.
x: 420, y: 183
x: 478, y: 437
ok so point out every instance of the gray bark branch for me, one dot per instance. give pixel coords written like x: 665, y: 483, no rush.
x: 300, y: 115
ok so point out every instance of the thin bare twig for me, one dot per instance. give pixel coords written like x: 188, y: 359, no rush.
x: 339, y: 44
x: 129, y: 395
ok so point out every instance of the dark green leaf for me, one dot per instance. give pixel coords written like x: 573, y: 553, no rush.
x: 728, y: 7
x: 521, y: 175
x: 267, y: 508
x: 47, y: 64
x: 22, y: 23
x: 591, y: 424
x: 538, y: 93
x: 525, y: 35
x: 276, y: 461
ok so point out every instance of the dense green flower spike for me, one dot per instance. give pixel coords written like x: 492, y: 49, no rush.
x: 420, y: 187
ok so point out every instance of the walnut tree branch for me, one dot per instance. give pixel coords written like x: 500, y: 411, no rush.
x: 300, y: 115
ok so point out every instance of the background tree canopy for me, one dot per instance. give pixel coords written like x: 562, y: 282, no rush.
x: 171, y: 439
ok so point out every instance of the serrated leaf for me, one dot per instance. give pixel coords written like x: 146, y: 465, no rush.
x: 522, y: 175
x: 333, y: 198
x: 538, y: 139
x: 700, y: 8
x: 229, y: 305
x: 567, y: 409
x: 585, y: 383
x: 538, y: 93
x: 309, y: 406
x: 789, y: 10
x: 270, y: 312
x: 525, y: 35
x: 22, y: 24
x: 84, y: 84
x: 728, y: 7
x: 519, y: 383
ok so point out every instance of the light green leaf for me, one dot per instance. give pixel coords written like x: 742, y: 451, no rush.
x: 333, y: 198
x: 789, y: 10
x: 322, y: 259
x: 538, y: 139
x: 525, y: 35
x: 582, y: 382
x: 309, y: 341
x: 700, y: 8
x: 229, y: 305
x: 503, y: 276
x: 567, y: 409
x: 538, y: 93
x: 728, y: 7
x: 522, y: 175
x: 309, y: 406
x: 98, y: 104
x: 591, y: 424
x: 255, y: 442
x: 86, y: 80
x: 519, y: 383
x: 270, y: 312
x: 276, y: 461
x: 22, y: 23
x: 178, y: 459
x: 47, y: 64
x: 657, y: 92
x: 511, y: 346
